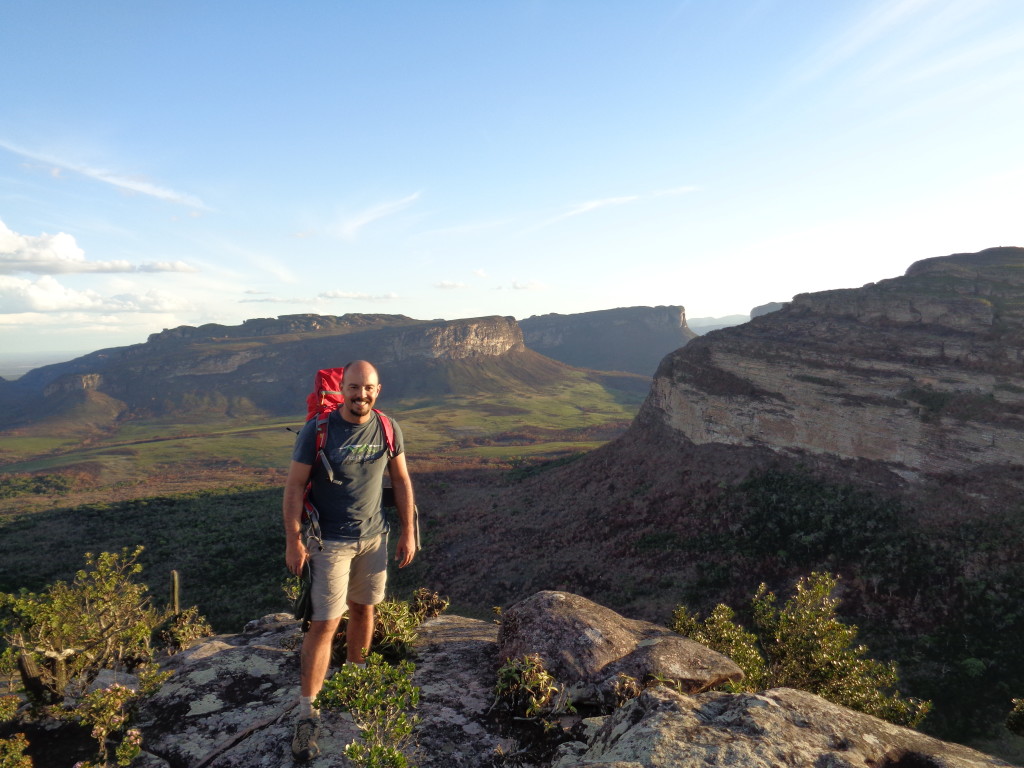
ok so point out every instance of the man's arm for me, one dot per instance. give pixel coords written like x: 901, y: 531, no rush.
x: 294, y: 489
x: 402, y: 485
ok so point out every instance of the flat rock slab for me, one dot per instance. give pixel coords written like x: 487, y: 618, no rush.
x: 456, y: 666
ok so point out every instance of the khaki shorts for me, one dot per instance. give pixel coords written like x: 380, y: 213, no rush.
x: 347, y: 571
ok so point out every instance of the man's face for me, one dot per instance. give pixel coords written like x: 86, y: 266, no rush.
x: 360, y: 389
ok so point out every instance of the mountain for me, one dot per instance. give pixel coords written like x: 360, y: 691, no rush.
x: 875, y: 433
x: 923, y: 373
x: 632, y: 339
x: 266, y: 366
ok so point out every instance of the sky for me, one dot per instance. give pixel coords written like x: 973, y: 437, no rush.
x: 181, y: 163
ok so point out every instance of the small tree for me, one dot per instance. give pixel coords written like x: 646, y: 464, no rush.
x: 803, y: 645
x: 104, y: 618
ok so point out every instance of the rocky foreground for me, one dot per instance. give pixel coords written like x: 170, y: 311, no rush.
x: 230, y: 700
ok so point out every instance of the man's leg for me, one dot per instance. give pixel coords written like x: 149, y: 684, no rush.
x: 316, y: 655
x: 359, y: 632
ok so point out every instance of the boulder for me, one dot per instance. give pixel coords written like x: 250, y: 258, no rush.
x: 666, y: 729
x: 586, y: 646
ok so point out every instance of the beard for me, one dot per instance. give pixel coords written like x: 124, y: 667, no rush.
x: 359, y: 407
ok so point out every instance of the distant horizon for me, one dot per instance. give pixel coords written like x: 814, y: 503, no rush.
x: 16, y: 364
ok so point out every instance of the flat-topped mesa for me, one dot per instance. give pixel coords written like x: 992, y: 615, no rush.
x: 267, y: 365
x: 923, y: 372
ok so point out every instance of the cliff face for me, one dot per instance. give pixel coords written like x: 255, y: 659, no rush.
x: 631, y: 339
x: 924, y: 373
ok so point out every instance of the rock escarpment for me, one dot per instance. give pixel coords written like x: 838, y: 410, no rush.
x: 924, y: 373
x: 264, y: 365
x: 631, y: 339
x: 230, y: 703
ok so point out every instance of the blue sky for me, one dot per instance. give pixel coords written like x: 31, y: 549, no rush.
x: 169, y: 163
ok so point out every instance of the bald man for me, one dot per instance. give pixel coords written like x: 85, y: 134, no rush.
x: 348, y: 565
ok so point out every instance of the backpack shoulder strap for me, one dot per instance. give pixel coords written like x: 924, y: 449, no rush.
x: 389, y: 431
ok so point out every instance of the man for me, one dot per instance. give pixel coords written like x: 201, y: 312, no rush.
x: 351, y: 568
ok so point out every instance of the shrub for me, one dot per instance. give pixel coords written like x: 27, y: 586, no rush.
x: 395, y: 623
x: 1015, y: 720
x: 527, y: 689
x: 183, y: 629
x: 721, y: 633
x: 12, y: 752
x: 8, y: 707
x: 427, y: 604
x: 379, y: 698
x: 803, y: 645
x: 103, y: 619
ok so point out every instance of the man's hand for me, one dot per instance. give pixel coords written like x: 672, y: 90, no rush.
x: 295, y: 556
x: 406, y: 549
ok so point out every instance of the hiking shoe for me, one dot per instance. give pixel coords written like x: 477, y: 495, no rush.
x: 304, y: 746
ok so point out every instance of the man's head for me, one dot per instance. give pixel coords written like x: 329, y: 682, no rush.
x: 359, y: 388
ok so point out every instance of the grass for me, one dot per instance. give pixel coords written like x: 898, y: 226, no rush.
x: 429, y: 426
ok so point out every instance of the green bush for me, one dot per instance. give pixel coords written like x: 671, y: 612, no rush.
x: 527, y: 689
x: 803, y: 645
x: 17, y: 485
x: 379, y: 698
x: 724, y: 635
x: 103, y: 619
x: 12, y: 752
x: 395, y: 623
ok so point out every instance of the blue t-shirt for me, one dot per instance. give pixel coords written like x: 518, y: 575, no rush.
x: 349, y: 505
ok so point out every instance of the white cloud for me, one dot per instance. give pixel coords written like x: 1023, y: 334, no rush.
x: 479, y: 273
x: 129, y: 183
x: 60, y: 254
x: 533, y: 285
x: 349, y: 227
x: 360, y: 296
x: 593, y: 205
x: 18, y: 295
x: 448, y: 285
x: 606, y: 202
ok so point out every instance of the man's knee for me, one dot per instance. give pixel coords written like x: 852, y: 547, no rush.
x: 359, y: 611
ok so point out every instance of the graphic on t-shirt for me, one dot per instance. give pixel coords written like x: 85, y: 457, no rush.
x: 358, y: 453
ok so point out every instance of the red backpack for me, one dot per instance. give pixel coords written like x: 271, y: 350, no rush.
x: 325, y: 398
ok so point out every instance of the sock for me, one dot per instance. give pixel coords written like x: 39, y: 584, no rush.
x: 306, y: 708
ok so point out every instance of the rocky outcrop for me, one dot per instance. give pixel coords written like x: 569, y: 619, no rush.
x: 631, y: 339
x: 230, y: 703
x: 73, y: 382
x: 587, y: 647
x: 666, y: 729
x: 924, y: 373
